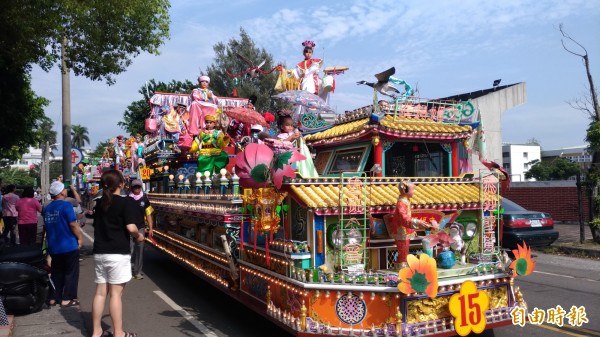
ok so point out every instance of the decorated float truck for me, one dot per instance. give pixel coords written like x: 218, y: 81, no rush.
x: 314, y: 256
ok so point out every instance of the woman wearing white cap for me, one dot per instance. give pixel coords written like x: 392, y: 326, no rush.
x: 204, y: 102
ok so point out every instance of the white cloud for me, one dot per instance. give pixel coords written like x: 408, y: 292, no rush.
x: 443, y: 47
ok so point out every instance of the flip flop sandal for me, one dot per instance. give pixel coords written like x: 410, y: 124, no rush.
x: 51, y: 303
x: 71, y: 303
x: 129, y: 334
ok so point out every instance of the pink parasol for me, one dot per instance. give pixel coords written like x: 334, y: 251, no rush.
x: 246, y: 115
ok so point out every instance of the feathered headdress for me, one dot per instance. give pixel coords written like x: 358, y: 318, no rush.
x: 308, y: 43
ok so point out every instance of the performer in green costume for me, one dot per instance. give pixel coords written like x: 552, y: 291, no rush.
x: 209, y: 144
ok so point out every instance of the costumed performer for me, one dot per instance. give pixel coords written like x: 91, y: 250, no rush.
x: 307, y: 70
x: 210, y: 144
x: 290, y: 137
x: 402, y: 226
x: 204, y: 102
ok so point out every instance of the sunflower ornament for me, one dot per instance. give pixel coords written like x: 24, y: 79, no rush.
x: 523, y: 264
x: 419, y: 277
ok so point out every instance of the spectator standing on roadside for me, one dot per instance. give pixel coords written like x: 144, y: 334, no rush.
x: 144, y: 215
x: 64, y: 241
x: 9, y: 214
x: 27, y: 207
x: 75, y: 200
x: 114, y: 222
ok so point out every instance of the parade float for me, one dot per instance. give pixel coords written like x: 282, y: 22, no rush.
x: 317, y: 254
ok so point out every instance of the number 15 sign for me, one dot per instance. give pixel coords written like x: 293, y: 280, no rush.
x: 468, y: 308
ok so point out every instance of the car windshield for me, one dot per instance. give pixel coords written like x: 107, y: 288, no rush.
x: 510, y: 206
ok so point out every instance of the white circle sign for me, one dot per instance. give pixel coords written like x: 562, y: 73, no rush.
x: 76, y: 156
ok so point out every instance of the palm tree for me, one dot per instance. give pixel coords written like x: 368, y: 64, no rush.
x: 79, y: 136
x: 45, y: 133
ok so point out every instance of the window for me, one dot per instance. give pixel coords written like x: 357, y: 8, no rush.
x: 348, y: 160
x: 505, y: 154
x: 525, y: 167
x: 506, y: 166
x: 525, y: 155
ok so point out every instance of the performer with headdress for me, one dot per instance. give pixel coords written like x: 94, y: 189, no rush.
x: 204, y: 102
x: 307, y: 70
x: 209, y: 144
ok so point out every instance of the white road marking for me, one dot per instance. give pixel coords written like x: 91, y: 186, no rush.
x: 206, y: 331
x: 566, y: 276
x: 87, y: 236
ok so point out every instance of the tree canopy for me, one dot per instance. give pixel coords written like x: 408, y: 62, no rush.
x: 227, y: 60
x: 21, y: 111
x: 557, y: 169
x: 99, y: 38
x: 79, y: 135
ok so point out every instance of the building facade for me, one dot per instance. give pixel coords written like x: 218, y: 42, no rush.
x: 517, y: 159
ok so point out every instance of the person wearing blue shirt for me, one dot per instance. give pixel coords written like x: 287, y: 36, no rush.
x: 64, y: 239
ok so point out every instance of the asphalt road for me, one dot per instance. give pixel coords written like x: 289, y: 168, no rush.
x: 171, y: 301
x: 565, y: 281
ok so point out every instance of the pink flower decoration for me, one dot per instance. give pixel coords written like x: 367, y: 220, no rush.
x: 259, y: 158
x: 308, y: 43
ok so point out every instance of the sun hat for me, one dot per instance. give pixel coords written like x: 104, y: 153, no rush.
x: 55, y: 188
x: 204, y: 78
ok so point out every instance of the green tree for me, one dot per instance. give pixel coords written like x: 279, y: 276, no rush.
x: 588, y: 104
x: 94, y: 38
x: 45, y: 133
x: 138, y: 111
x: 99, y: 150
x: 227, y: 60
x: 20, y: 110
x: 79, y: 136
x: 16, y: 177
x: 557, y: 169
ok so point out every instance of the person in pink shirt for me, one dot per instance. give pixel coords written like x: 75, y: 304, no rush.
x: 9, y: 214
x: 28, y: 208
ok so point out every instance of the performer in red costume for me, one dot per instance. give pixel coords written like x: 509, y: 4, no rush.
x: 402, y: 226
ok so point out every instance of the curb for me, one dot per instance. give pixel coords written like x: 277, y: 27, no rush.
x: 568, y: 249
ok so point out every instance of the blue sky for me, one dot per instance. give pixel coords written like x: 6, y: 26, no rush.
x: 441, y: 47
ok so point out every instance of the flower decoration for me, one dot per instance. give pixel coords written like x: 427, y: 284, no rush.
x: 419, y: 277
x: 523, y: 264
x: 308, y: 43
x: 440, y: 238
x: 257, y: 166
x: 269, y: 118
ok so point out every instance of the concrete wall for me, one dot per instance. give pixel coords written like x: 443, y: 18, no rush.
x: 559, y: 198
x: 491, y: 107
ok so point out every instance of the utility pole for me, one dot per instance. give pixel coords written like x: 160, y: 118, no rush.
x: 67, y: 165
x: 580, y: 206
x: 45, y: 171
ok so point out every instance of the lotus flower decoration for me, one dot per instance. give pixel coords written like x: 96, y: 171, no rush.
x: 258, y: 166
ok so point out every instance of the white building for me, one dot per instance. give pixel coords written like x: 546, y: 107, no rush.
x: 33, y: 157
x: 517, y: 159
x: 577, y: 154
